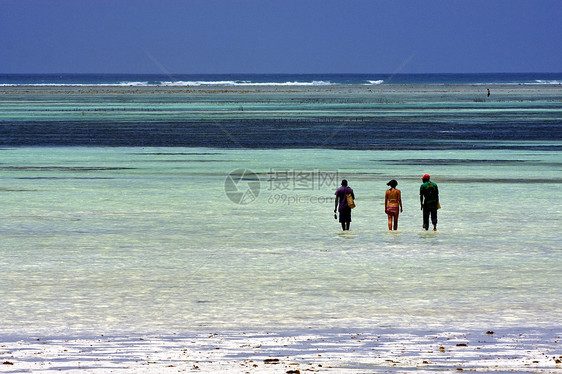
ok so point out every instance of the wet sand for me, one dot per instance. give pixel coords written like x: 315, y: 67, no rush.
x: 388, y: 351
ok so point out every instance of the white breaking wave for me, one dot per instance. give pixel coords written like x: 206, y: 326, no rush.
x: 134, y: 84
x: 195, y: 83
x: 541, y: 81
x: 170, y: 84
x: 313, y: 83
x: 243, y: 83
x: 120, y: 84
x: 380, y: 81
x: 43, y: 85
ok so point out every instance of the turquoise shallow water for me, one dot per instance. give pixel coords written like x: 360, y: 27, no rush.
x: 142, y: 239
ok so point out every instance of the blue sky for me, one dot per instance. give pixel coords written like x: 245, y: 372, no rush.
x: 280, y: 36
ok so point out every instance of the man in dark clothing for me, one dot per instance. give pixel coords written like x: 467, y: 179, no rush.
x: 429, y: 200
x: 342, y: 206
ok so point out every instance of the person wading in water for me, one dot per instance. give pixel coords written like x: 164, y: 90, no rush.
x: 392, y: 204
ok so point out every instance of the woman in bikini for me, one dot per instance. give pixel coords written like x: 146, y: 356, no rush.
x: 392, y: 202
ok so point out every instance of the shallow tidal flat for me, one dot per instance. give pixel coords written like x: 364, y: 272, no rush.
x: 122, y: 252
x: 373, y: 117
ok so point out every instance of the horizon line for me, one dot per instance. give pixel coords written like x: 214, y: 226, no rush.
x: 273, y: 73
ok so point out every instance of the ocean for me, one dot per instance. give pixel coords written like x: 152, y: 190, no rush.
x: 170, y: 204
x: 195, y: 80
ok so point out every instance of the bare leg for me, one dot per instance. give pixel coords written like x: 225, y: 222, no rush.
x: 389, y: 221
x: 396, y: 220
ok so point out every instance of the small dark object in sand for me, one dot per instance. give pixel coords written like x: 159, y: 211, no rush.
x: 7, y: 363
x: 271, y: 361
x: 294, y: 372
x: 490, y: 332
x: 462, y: 345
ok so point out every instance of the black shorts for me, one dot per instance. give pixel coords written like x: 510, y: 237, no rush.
x: 345, y: 214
